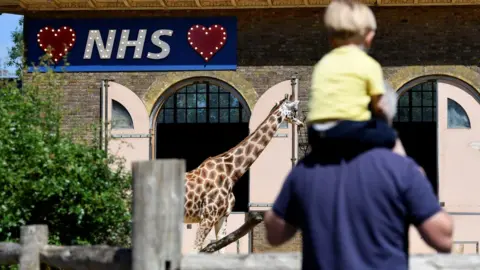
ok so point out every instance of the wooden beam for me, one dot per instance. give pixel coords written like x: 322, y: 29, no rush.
x: 9, y: 253
x: 306, y: 3
x: 33, y: 239
x: 56, y: 3
x: 23, y: 4
x: 198, y: 3
x: 234, y: 3
x: 127, y: 3
x: 270, y: 4
x: 162, y: 2
x: 158, y: 202
x: 92, y: 3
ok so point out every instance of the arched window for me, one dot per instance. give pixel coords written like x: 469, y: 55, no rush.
x: 419, y: 104
x: 457, y: 116
x: 121, y: 118
x: 202, y: 102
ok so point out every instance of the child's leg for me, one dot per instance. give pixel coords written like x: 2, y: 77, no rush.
x: 365, y: 134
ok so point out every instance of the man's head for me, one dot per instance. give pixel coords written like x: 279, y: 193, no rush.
x: 350, y: 22
x: 388, y: 102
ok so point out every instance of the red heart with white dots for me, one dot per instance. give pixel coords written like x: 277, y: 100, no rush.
x: 60, y: 40
x: 207, y: 41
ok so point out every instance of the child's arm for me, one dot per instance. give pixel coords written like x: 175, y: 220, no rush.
x: 376, y: 88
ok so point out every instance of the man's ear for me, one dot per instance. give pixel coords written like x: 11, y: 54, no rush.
x: 369, y: 38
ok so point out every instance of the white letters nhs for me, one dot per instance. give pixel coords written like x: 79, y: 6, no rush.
x: 105, y: 52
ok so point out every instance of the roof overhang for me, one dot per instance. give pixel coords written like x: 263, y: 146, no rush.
x: 25, y: 6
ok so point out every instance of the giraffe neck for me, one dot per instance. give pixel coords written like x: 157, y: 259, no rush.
x: 246, y: 152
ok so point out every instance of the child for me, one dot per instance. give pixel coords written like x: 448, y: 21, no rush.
x: 345, y: 82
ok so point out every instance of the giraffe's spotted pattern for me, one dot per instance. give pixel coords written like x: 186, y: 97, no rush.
x: 209, y: 199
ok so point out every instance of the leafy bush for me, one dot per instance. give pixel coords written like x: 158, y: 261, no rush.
x: 47, y: 178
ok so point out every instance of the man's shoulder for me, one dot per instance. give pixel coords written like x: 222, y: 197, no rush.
x: 387, y: 158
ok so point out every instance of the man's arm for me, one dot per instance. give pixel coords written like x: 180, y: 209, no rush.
x: 437, y: 232
x: 434, y: 225
x: 376, y: 88
x: 281, y: 222
x: 278, y: 230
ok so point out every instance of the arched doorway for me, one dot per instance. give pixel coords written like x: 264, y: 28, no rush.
x: 200, y: 118
x: 416, y: 124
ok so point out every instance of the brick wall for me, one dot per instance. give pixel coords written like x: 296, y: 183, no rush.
x: 275, y: 44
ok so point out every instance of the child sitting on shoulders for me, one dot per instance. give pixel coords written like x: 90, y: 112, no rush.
x: 345, y: 82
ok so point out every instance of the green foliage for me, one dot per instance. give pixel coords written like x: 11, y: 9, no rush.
x: 16, y: 52
x: 47, y: 178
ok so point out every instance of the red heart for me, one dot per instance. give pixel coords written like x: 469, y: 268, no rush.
x: 60, y: 40
x: 207, y: 41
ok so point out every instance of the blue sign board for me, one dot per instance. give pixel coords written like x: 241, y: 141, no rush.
x: 140, y: 44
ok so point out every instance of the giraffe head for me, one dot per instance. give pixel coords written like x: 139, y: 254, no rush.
x: 288, y: 110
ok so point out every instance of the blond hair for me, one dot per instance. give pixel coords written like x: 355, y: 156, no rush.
x: 347, y: 19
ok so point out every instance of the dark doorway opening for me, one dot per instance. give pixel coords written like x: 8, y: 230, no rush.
x: 202, y: 120
x: 416, y: 124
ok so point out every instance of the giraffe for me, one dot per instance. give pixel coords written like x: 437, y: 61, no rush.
x: 209, y: 198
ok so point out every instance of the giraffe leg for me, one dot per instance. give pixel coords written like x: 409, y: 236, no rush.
x: 221, y: 230
x: 204, y: 228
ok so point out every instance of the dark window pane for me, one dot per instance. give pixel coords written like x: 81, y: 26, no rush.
x: 403, y: 114
x: 427, y: 115
x: 427, y: 99
x: 191, y: 100
x: 403, y: 100
x: 202, y: 115
x: 428, y: 86
x: 457, y: 117
x: 221, y: 90
x: 160, y: 117
x: 223, y: 115
x: 416, y: 99
x: 201, y: 88
x: 224, y: 100
x: 434, y: 98
x: 416, y: 114
x: 234, y: 115
x: 395, y: 118
x: 169, y: 103
x: 121, y: 118
x: 233, y: 101
x: 183, y: 90
x: 417, y: 88
x: 213, y: 100
x: 201, y: 100
x: 181, y: 116
x: 191, y: 116
x: 213, y: 116
x: 245, y: 116
x: 180, y: 100
x: 169, y: 115
x: 213, y: 88
x: 191, y: 88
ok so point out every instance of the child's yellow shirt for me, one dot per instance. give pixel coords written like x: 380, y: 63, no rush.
x: 342, y: 83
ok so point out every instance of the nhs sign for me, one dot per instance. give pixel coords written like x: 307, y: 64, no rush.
x: 144, y: 44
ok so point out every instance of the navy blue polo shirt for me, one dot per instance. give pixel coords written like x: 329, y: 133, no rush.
x: 355, y: 214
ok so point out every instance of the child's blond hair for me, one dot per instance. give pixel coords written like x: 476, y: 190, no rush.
x: 348, y: 19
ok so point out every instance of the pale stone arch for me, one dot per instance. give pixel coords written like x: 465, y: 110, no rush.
x: 166, y: 82
x: 407, y: 76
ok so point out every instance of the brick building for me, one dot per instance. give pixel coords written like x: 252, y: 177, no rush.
x: 429, y: 50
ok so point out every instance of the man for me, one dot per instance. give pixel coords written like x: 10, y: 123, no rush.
x: 355, y: 209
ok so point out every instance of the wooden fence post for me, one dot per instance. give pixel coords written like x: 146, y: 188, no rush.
x: 158, y: 200
x: 32, y: 239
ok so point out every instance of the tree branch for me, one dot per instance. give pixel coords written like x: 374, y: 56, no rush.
x: 253, y: 219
